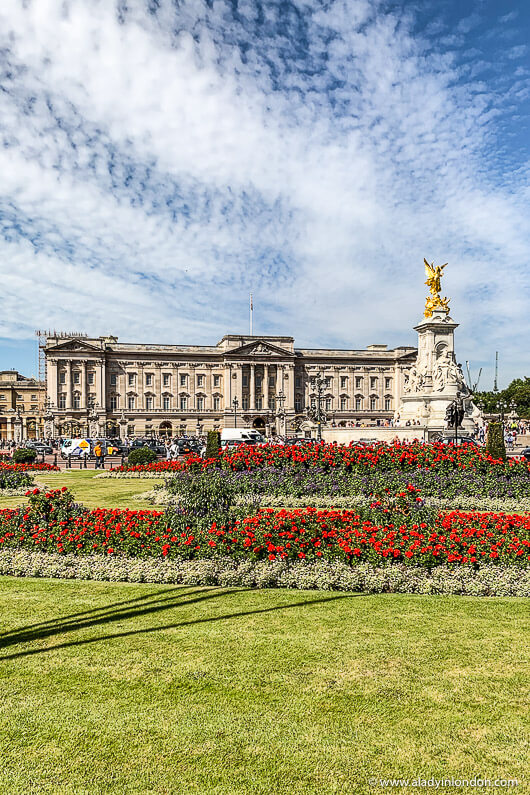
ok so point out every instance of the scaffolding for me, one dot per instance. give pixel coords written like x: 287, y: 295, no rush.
x: 42, y: 338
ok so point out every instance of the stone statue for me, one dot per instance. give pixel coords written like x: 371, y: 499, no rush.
x: 414, y: 380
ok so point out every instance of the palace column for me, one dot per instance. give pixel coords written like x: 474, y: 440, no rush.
x: 51, y: 381
x: 288, y: 387
x: 103, y: 385
x: 141, y: 397
x: 252, y: 406
x: 227, y: 386
x: 69, y: 384
x: 265, y: 386
x: 83, y: 385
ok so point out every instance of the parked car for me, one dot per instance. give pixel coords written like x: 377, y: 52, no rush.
x: 152, y: 444
x: 526, y: 453
x: 41, y: 448
x: 459, y: 440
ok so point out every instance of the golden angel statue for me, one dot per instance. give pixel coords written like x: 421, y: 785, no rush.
x: 434, y: 283
x: 434, y: 277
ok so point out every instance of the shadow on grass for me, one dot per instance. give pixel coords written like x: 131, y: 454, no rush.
x: 109, y: 615
x: 106, y: 609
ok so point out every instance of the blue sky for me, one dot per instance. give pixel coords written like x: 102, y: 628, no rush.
x: 161, y: 160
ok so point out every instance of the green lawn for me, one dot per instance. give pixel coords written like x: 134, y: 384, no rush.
x: 98, y: 493
x: 126, y: 688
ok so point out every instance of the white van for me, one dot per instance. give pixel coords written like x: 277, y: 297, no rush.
x: 75, y: 447
x: 231, y: 436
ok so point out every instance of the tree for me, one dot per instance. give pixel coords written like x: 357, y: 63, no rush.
x: 518, y: 390
x: 495, y: 441
x: 213, y: 443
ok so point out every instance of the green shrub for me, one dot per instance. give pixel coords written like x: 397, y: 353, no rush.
x: 24, y: 455
x: 495, y: 441
x: 203, y: 496
x: 213, y: 443
x: 141, y: 455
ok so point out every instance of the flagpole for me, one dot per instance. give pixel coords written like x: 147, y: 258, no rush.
x: 251, y: 313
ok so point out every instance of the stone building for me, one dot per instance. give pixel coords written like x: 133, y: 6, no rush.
x: 105, y: 387
x: 21, y: 406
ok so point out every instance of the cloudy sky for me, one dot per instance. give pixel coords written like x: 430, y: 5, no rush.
x: 161, y: 159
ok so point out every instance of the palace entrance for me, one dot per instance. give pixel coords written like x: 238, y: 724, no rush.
x: 165, y: 430
x: 259, y: 425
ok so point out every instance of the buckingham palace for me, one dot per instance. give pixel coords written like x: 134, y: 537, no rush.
x: 99, y: 386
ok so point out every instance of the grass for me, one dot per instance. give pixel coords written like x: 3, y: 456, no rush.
x: 121, y: 688
x: 94, y: 493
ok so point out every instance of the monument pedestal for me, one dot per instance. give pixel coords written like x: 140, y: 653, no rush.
x: 435, y: 380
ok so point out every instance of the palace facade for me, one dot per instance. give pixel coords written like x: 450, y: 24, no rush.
x: 21, y: 406
x: 104, y: 387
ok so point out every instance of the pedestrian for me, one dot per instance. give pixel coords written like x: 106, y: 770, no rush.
x: 98, y: 452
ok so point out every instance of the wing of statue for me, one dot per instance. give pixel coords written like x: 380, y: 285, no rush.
x: 429, y: 270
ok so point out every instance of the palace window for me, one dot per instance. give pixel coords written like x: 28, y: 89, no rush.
x: 388, y: 403
x: 113, y: 379
x: 62, y: 378
x: 298, y: 404
x: 245, y: 379
x: 216, y: 402
x: 373, y: 403
x: 183, y: 402
x: 148, y: 379
x: 272, y: 380
x: 328, y: 381
x: 114, y: 402
x: 62, y: 401
x: 259, y: 403
x: 77, y: 377
x: 373, y: 382
x: 388, y: 383
x: 148, y: 403
x: 343, y: 403
x: 358, y: 404
x: 91, y: 401
x: 244, y: 403
x: 216, y: 380
x: 34, y: 397
x: 272, y: 403
x: 131, y: 379
x: 358, y: 382
x: 166, y: 403
x: 131, y: 402
x: 298, y: 381
x: 200, y: 380
x: 328, y: 403
x: 183, y: 379
x: 77, y: 402
x: 200, y: 402
x: 130, y: 430
x: 166, y: 379
x: 344, y: 381
x: 90, y: 378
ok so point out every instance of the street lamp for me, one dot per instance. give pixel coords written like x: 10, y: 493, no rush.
x: 235, y: 404
x: 501, y: 408
x: 317, y: 384
x: 281, y: 397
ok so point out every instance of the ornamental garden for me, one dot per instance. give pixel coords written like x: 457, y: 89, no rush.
x: 405, y: 517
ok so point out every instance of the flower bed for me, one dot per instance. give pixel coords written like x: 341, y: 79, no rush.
x: 397, y: 456
x: 389, y: 530
x: 229, y: 573
x: 6, y: 466
x: 319, y: 481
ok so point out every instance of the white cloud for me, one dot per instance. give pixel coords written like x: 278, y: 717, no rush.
x: 161, y: 167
